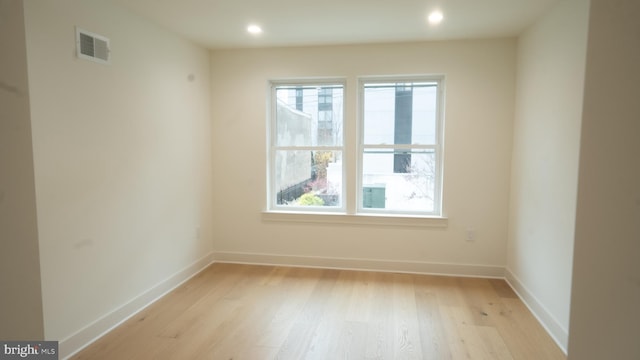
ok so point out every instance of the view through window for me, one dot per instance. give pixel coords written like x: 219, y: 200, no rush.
x: 308, y: 145
x: 399, y: 146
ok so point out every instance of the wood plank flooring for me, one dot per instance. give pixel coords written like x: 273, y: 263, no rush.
x: 232, y: 311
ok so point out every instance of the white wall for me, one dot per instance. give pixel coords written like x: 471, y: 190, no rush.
x: 122, y: 163
x: 480, y: 83
x: 605, y: 296
x: 20, y: 302
x: 551, y: 61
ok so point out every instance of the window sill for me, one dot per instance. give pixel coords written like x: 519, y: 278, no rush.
x: 359, y: 219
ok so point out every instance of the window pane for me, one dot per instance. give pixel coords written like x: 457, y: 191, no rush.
x: 308, y: 178
x: 384, y: 187
x: 403, y: 113
x: 299, y: 110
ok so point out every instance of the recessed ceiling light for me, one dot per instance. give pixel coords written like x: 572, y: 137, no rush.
x: 435, y: 17
x: 254, y: 29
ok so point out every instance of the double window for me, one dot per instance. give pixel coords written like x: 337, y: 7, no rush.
x: 397, y: 164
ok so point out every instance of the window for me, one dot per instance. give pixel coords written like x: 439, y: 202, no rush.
x: 398, y: 147
x: 306, y: 146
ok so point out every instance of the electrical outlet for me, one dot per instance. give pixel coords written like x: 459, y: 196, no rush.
x: 471, y: 234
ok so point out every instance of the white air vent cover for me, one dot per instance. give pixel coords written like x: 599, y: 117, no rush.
x: 91, y: 46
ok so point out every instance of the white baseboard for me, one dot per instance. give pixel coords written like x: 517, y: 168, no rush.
x: 100, y: 327
x: 415, y: 267
x: 559, y: 334
x: 103, y: 325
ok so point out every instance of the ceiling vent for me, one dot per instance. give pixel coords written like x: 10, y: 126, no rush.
x: 92, y: 46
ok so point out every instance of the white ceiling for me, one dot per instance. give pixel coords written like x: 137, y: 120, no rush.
x: 223, y: 23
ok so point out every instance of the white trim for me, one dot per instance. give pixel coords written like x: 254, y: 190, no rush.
x: 92, y: 332
x: 357, y: 219
x: 558, y: 333
x: 399, y: 266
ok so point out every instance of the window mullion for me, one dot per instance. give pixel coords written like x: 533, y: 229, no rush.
x: 309, y: 148
x: 399, y: 146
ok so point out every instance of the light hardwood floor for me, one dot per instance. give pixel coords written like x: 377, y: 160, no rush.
x: 232, y: 311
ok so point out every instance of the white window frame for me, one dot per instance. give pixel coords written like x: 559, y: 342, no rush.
x: 437, y: 147
x: 273, y: 147
x: 351, y: 210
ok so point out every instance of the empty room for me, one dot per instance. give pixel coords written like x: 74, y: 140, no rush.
x: 236, y: 179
